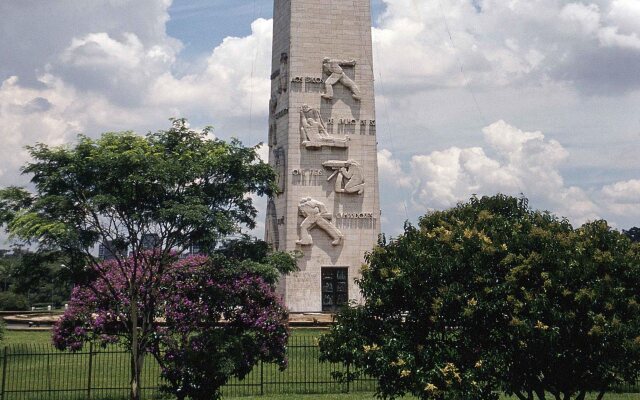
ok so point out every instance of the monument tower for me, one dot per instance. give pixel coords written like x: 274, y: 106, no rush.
x: 322, y: 141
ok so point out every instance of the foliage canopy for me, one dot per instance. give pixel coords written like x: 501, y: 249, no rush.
x: 491, y: 295
x: 165, y: 191
x: 216, y: 317
x: 178, y: 184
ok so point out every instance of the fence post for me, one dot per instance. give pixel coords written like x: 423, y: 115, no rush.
x: 4, y: 371
x: 90, y: 370
x: 348, y: 377
x: 261, y: 378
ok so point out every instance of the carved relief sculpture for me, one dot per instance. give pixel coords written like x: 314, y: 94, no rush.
x: 273, y: 104
x: 284, y: 73
x: 336, y: 74
x: 272, y: 234
x: 280, y: 162
x: 313, y: 130
x: 315, y: 214
x: 349, y: 176
x: 273, y: 139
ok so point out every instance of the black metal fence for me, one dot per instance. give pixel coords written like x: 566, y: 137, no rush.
x: 39, y: 372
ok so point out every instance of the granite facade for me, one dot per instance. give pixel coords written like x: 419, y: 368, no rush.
x: 322, y: 139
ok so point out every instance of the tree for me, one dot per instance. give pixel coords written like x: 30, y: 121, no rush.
x: 201, y: 350
x: 178, y: 185
x: 220, y: 318
x: 10, y: 301
x: 38, y: 277
x: 633, y: 234
x: 491, y: 295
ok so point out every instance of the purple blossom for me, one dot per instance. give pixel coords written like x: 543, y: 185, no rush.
x: 205, y: 319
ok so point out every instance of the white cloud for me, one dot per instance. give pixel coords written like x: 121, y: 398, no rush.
x: 103, y: 81
x: 585, y: 17
x: 566, y: 68
x: 263, y: 152
x: 625, y: 14
x: 523, y: 162
x: 449, y: 44
x: 609, y: 36
x: 390, y: 170
x: 234, y: 83
x: 623, y: 198
x: 28, y: 116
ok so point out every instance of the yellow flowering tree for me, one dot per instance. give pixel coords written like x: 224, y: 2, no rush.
x: 492, y: 296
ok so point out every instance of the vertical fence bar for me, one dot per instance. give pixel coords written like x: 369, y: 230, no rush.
x: 348, y: 377
x: 261, y: 378
x: 4, y: 372
x: 90, y: 370
x: 35, y: 352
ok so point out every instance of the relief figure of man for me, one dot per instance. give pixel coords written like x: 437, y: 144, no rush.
x: 316, y: 214
x: 353, y: 178
x: 313, y: 130
x: 336, y: 74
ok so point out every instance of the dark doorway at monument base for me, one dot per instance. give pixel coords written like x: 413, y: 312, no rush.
x: 335, y: 289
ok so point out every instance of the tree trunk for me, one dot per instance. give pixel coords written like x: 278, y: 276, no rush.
x: 136, y: 356
x: 136, y: 370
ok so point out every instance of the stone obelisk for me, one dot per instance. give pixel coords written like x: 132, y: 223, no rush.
x: 322, y: 141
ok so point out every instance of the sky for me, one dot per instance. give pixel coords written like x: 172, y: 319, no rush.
x: 532, y: 97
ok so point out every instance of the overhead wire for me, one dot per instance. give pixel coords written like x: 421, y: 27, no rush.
x: 469, y: 89
x: 461, y: 65
x: 388, y: 131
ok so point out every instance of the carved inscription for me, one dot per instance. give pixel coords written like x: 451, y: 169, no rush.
x: 306, y: 172
x: 307, y: 79
x: 350, y: 121
x: 362, y: 215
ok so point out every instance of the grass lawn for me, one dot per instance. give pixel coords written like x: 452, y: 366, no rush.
x: 44, y: 337
x: 35, y: 368
x: 50, y: 369
x: 369, y: 396
x: 23, y: 337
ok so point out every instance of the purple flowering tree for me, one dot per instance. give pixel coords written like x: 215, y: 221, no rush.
x: 204, y: 320
x: 165, y: 191
x: 220, y: 321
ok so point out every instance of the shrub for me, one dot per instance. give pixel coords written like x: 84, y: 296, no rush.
x: 492, y: 295
x: 10, y: 301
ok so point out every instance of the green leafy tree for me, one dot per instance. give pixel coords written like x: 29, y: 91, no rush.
x: 178, y: 185
x: 633, y: 234
x: 8, y: 264
x: 41, y: 277
x: 10, y: 301
x: 491, y: 295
